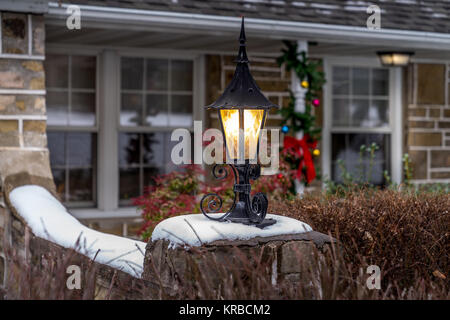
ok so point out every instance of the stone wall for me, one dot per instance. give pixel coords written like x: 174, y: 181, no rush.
x: 23, y: 255
x: 23, y: 142
x: 282, y: 257
x: 428, y: 121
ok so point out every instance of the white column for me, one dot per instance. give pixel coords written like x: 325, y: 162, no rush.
x: 299, y: 94
x: 396, y: 112
x: 108, y: 163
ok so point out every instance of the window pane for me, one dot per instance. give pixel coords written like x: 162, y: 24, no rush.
x: 360, y: 81
x: 132, y: 73
x: 57, y: 108
x: 380, y: 82
x: 379, y: 113
x: 338, y: 147
x: 80, y: 185
x: 157, y: 74
x: 56, y: 71
x: 346, y: 147
x: 56, y: 146
x: 153, y: 152
x: 83, y: 72
x: 59, y: 176
x: 150, y: 174
x: 181, y: 75
x: 157, y: 110
x: 80, y: 146
x: 359, y: 113
x: 131, y: 110
x: 341, y: 80
x: 129, y: 183
x: 181, y: 111
x: 340, y: 112
x: 129, y: 148
x: 83, y: 109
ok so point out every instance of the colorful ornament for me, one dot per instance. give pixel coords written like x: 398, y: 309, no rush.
x: 316, y: 152
x: 305, y: 84
x: 285, y: 129
x: 316, y: 102
x: 280, y: 175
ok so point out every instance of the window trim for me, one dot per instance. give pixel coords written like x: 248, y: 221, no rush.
x: 197, y: 93
x: 107, y: 99
x: 85, y: 129
x: 395, y: 127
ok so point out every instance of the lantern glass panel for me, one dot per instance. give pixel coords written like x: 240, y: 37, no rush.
x: 252, y: 123
x: 252, y: 126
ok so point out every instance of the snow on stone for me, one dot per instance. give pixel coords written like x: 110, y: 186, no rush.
x: 179, y: 230
x: 49, y: 219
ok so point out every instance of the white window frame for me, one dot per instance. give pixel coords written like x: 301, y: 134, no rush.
x: 395, y: 128
x: 86, y: 129
x: 140, y: 129
x: 108, y: 109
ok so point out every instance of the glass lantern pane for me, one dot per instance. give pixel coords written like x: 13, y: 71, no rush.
x: 252, y: 128
x: 230, y: 123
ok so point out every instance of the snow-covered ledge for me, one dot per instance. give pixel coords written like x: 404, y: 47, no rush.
x: 196, y: 230
x: 48, y: 219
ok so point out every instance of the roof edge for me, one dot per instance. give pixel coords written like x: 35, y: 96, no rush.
x: 138, y: 19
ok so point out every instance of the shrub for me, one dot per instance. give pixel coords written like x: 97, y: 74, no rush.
x: 404, y: 233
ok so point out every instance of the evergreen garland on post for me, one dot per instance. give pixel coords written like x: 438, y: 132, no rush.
x: 298, y: 152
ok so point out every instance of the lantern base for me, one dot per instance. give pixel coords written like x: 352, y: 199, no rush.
x: 246, y: 221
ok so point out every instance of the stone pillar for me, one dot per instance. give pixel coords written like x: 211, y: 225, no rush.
x: 23, y: 141
x: 299, y: 94
x: 282, y: 257
x: 428, y: 122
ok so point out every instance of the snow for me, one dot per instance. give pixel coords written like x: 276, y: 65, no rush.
x: 179, y: 230
x: 49, y: 219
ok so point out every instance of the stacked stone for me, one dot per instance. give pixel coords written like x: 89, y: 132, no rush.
x: 428, y: 122
x: 23, y: 142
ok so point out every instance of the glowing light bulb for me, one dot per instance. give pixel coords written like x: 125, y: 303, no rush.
x: 252, y: 127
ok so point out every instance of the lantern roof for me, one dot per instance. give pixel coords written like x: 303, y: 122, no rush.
x: 242, y: 92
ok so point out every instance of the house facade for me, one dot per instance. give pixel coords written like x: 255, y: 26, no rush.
x: 92, y: 106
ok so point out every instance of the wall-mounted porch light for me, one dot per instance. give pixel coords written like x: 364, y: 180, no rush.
x: 242, y: 110
x: 394, y: 59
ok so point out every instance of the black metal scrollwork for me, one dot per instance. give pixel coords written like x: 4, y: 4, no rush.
x: 215, y: 202
x: 247, y: 210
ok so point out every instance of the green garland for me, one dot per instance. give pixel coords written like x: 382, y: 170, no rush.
x: 312, y: 79
x: 306, y: 70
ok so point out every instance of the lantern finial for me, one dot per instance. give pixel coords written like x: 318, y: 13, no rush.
x: 242, y: 55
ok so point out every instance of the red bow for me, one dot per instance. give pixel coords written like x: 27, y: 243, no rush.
x: 302, y: 146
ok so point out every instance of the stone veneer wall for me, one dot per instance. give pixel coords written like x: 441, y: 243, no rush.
x: 20, y: 249
x: 23, y: 142
x: 428, y: 121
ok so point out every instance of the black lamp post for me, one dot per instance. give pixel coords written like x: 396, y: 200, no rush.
x: 242, y: 110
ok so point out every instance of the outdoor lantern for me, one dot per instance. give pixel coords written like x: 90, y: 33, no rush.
x: 242, y: 110
x: 394, y: 59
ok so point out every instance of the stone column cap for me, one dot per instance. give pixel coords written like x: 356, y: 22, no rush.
x: 195, y: 230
